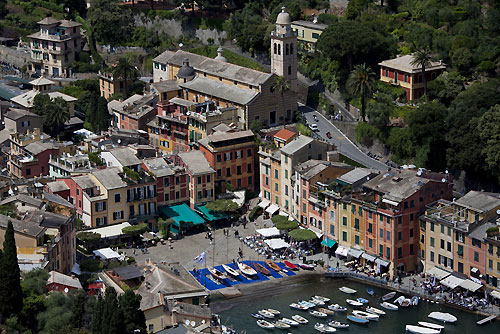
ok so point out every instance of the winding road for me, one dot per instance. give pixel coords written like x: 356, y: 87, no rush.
x: 344, y: 145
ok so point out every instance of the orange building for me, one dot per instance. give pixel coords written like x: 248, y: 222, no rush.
x: 232, y: 156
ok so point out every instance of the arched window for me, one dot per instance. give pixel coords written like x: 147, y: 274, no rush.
x: 275, y: 48
x: 279, y: 49
x: 287, y: 49
x: 291, y: 48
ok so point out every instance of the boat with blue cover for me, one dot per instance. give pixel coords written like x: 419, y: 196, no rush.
x: 362, y: 300
x: 357, y: 320
x: 370, y: 291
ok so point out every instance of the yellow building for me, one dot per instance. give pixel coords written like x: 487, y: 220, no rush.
x: 357, y: 225
x: 110, y: 85
x: 308, y: 32
x: 344, y: 216
x: 493, y: 262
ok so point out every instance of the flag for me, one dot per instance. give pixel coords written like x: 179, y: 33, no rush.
x: 200, y: 258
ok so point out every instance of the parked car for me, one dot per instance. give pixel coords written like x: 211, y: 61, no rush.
x: 315, y: 118
x: 329, y: 135
x: 314, y: 127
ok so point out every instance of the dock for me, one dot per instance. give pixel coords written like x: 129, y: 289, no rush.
x: 485, y: 320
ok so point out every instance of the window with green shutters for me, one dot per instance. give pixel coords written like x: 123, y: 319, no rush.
x: 344, y: 221
x: 286, y: 173
x: 490, y: 264
x: 460, y: 250
x: 442, y: 228
x: 381, y: 251
x: 356, y: 239
x: 344, y: 236
x: 432, y: 242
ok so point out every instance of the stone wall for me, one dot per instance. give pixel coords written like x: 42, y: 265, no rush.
x: 14, y: 57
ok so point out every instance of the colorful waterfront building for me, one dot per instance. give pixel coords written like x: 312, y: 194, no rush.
x: 493, y: 259
x: 232, y: 156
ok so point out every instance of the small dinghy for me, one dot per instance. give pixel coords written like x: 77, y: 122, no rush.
x: 260, y: 268
x: 357, y: 320
x: 217, y: 274
x: 374, y: 310
x: 389, y: 306
x: 281, y: 325
x: 323, y: 299
x: 265, y: 324
x: 273, y: 266
x: 266, y: 314
x: 431, y: 325
x: 317, y: 302
x: 338, y: 324
x: 370, y: 291
x: 257, y: 316
x: 399, y: 300
x: 366, y: 315
x: 388, y: 296
x: 299, y: 319
x: 247, y: 270
x: 230, y: 271
x: 444, y: 317
x: 337, y: 308
x: 362, y: 300
x: 298, y: 307
x: 421, y: 330
x: 353, y: 302
x: 414, y: 300
x: 273, y: 311
x: 318, y: 314
x: 322, y: 328
x: 291, y: 265
x: 289, y: 322
x: 347, y: 290
x: 306, y: 266
x: 327, y: 311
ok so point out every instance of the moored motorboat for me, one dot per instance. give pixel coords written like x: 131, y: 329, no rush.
x: 261, y: 269
x: 388, y: 296
x: 257, y: 316
x: 324, y: 299
x: 327, y: 311
x: 444, y: 317
x: 414, y: 300
x: 318, y: 314
x: 317, y: 302
x: 266, y: 314
x: 306, y: 304
x: 273, y: 311
x: 374, y: 310
x: 338, y: 324
x: 273, y: 265
x: 337, y: 308
x: 431, y: 325
x: 299, y: 319
x: 322, y: 328
x: 281, y: 325
x: 365, y: 315
x: 399, y: 300
x: 421, y: 330
x: 347, y: 290
x: 357, y: 320
x: 370, y: 291
x: 362, y: 300
x: 230, y: 270
x: 265, y: 324
x: 291, y: 265
x: 406, y: 302
x: 298, y: 307
x: 353, y: 302
x: 306, y: 266
x: 247, y: 270
x: 289, y: 322
x: 217, y: 274
x: 389, y: 306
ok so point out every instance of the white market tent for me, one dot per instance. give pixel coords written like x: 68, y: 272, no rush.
x: 452, y: 281
x: 342, y: 251
x: 438, y: 273
x: 272, y: 209
x: 276, y: 243
x: 470, y: 285
x: 106, y: 254
x: 268, y: 232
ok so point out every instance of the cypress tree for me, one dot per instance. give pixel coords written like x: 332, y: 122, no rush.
x: 95, y: 326
x: 11, y: 294
x: 112, y: 320
x: 133, y: 317
x: 78, y: 309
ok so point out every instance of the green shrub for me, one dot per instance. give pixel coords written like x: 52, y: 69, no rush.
x: 366, y: 133
x: 131, y: 260
x: 88, y: 236
x: 132, y: 174
x: 91, y: 265
x: 492, y: 231
x: 257, y: 211
x: 135, y: 229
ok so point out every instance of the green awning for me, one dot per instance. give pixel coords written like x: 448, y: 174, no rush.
x: 181, y: 212
x: 328, y: 243
x: 209, y: 214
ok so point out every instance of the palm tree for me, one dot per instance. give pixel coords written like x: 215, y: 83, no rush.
x: 57, y: 115
x: 422, y: 58
x: 281, y: 85
x: 123, y: 69
x: 361, y: 83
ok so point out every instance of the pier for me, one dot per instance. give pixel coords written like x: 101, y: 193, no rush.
x: 486, y: 320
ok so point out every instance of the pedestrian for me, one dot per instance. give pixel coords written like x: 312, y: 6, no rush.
x: 244, y: 224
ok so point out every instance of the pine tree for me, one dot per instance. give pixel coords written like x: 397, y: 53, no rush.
x: 11, y: 294
x: 101, y: 115
x: 95, y: 326
x: 134, y: 318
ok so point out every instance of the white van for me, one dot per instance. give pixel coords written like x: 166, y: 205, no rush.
x: 314, y: 127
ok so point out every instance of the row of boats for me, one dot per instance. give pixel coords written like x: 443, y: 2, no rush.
x: 255, y: 268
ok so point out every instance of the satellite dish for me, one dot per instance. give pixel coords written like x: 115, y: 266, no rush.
x: 181, y: 45
x: 443, y: 180
x: 193, y: 323
x: 498, y: 212
x: 203, y: 321
x: 419, y: 173
x: 119, y: 141
x: 186, y: 322
x: 66, y: 290
x: 103, y: 147
x: 446, y: 171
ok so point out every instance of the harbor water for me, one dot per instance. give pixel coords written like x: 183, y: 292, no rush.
x: 237, y: 312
